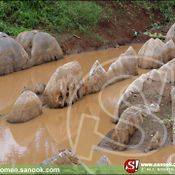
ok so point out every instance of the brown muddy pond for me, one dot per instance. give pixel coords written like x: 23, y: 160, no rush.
x: 80, y: 126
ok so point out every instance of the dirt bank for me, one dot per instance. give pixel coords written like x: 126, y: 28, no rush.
x: 126, y: 24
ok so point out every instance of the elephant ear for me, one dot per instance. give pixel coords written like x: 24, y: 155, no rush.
x: 13, y: 57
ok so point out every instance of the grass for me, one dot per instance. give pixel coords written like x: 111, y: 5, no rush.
x: 64, y: 16
x: 59, y: 16
x: 166, y: 7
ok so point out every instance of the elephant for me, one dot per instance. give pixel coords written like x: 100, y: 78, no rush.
x: 171, y: 33
x: 96, y: 79
x: 154, y: 53
x: 26, y: 107
x: 124, y: 67
x: 65, y: 86
x: 63, y: 157
x: 130, y: 119
x: 40, y: 46
x: 13, y: 57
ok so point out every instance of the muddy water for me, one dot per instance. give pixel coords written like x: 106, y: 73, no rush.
x: 80, y: 127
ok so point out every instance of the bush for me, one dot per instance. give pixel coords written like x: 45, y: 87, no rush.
x: 53, y: 15
x: 166, y: 7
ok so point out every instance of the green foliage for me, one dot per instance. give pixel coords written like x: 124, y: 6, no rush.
x: 68, y: 15
x: 10, y: 29
x: 166, y: 7
x: 148, y: 5
x: 93, y: 169
x: 53, y: 15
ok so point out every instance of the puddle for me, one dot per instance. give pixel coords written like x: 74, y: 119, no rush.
x: 81, y: 126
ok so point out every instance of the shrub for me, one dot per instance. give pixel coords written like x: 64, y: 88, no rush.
x: 53, y: 15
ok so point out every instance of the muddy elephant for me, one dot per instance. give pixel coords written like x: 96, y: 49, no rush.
x: 13, y: 57
x: 124, y: 67
x: 154, y: 53
x: 40, y: 46
x: 26, y: 107
x: 65, y: 86
x: 171, y: 33
x: 96, y: 78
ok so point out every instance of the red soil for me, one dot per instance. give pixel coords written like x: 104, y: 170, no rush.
x: 118, y: 30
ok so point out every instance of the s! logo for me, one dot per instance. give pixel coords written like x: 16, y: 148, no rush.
x: 131, y: 165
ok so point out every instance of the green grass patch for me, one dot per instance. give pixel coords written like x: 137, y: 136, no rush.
x: 166, y: 7
x: 59, y: 16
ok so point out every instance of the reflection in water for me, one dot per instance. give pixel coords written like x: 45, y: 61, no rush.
x: 36, y: 140
x: 42, y: 143
x: 8, y: 146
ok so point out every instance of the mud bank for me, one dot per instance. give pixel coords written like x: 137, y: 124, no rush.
x: 56, y: 129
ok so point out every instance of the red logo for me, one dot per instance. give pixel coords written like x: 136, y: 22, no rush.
x: 131, y: 165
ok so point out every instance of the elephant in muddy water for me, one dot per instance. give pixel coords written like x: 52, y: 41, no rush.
x: 63, y: 157
x: 152, y: 94
x: 130, y: 119
x: 96, y: 79
x: 65, y: 86
x: 13, y: 57
x: 26, y: 107
x: 154, y: 53
x: 171, y: 33
x: 164, y: 76
x: 124, y: 67
x: 40, y: 46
